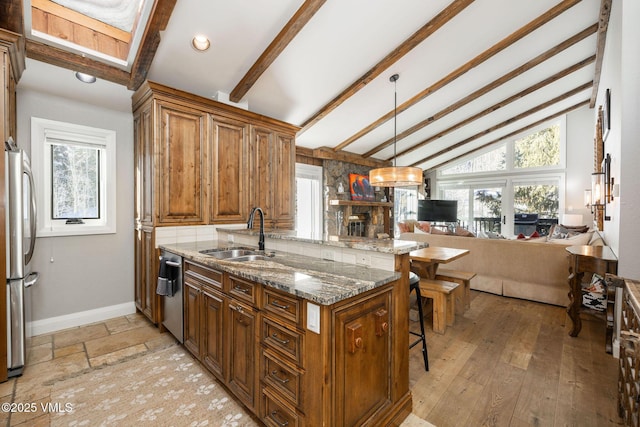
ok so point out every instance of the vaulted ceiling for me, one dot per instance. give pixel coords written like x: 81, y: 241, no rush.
x: 472, y: 72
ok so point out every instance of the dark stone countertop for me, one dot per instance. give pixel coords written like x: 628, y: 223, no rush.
x: 317, y: 280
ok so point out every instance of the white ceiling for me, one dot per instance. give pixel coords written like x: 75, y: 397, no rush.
x: 340, y: 44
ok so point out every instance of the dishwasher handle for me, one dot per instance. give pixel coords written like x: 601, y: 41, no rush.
x: 173, y: 264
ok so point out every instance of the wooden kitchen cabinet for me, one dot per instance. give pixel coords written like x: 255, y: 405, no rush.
x: 181, y: 143
x: 242, y: 352
x: 229, y: 167
x: 273, y: 178
x: 192, y: 159
x: 255, y: 340
x: 204, y: 312
x: 146, y: 256
x: 363, y: 343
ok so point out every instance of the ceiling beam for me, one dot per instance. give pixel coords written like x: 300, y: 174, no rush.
x: 509, y: 121
x: 282, y: 40
x: 327, y: 153
x: 11, y: 16
x: 603, y: 25
x: 512, y: 134
x: 418, y: 37
x: 500, y: 104
x: 484, y: 56
x: 158, y: 21
x: 62, y: 58
x: 550, y: 53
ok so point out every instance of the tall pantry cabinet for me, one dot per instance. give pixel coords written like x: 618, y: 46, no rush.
x: 199, y: 162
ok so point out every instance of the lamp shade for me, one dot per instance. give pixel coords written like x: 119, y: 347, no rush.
x: 572, y: 220
x: 597, y: 189
x: 395, y: 176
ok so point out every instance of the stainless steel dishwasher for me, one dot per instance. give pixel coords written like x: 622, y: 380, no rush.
x: 172, y: 317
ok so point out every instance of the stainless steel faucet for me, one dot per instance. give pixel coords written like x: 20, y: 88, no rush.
x: 250, y: 225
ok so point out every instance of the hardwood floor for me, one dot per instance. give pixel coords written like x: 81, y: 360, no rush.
x: 509, y: 362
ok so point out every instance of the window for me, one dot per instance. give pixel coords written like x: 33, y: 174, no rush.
x: 74, y: 168
x: 309, y: 201
x: 522, y: 176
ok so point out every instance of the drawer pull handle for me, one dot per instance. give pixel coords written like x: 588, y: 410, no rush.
x: 281, y: 341
x: 237, y: 308
x: 239, y: 289
x: 280, y: 306
x: 274, y: 416
x: 274, y: 374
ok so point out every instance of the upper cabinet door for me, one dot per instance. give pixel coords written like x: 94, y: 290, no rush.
x: 261, y: 182
x: 285, y: 171
x: 182, y: 136
x: 229, y: 171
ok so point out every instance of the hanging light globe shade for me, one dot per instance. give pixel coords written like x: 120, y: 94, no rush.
x: 395, y: 176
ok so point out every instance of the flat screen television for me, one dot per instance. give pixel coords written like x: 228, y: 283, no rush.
x: 438, y: 210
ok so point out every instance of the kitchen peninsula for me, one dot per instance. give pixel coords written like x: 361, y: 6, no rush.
x: 299, y: 339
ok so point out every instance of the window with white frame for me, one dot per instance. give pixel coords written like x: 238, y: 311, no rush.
x: 74, y: 168
x: 521, y: 176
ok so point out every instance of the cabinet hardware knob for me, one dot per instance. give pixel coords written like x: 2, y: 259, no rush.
x: 275, y: 375
x: 278, y: 305
x: 358, y: 342
x: 281, y: 341
x: 239, y: 289
x: 274, y: 416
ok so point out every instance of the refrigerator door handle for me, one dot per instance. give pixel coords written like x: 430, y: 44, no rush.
x: 31, y: 279
x: 33, y: 214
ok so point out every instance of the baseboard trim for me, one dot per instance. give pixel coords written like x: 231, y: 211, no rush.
x: 54, y: 324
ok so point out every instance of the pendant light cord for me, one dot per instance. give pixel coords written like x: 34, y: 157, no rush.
x: 394, y: 78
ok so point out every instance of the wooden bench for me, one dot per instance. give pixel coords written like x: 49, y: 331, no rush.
x: 463, y: 296
x: 444, y: 302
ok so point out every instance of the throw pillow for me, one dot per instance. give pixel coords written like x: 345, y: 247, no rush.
x: 576, y: 240
x: 424, y: 226
x: 594, y: 295
x: 418, y: 230
x: 562, y: 232
x: 463, y: 232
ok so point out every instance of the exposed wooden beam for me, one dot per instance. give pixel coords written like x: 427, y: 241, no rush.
x: 603, y: 25
x: 484, y: 56
x: 11, y: 16
x: 158, y: 21
x: 418, y: 37
x: 282, y: 40
x: 509, y: 121
x: 489, y: 87
x: 327, y: 153
x: 71, y: 61
x: 512, y: 134
x: 500, y: 104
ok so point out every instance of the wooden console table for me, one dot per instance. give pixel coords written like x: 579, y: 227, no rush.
x: 590, y: 259
x: 348, y: 204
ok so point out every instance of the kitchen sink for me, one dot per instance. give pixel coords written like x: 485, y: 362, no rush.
x: 252, y: 257
x: 230, y: 253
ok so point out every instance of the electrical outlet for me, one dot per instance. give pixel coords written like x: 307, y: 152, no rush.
x: 313, y: 317
x: 328, y: 255
x: 363, y: 259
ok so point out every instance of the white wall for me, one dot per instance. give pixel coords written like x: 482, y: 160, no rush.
x: 579, y: 163
x: 621, y: 74
x: 84, y: 278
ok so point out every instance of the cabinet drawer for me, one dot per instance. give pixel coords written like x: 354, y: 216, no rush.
x: 278, y: 414
x: 286, y: 307
x: 282, y: 377
x: 243, y: 290
x: 203, y: 274
x: 282, y: 340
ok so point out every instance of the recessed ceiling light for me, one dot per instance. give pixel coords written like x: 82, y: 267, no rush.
x: 86, y: 78
x: 200, y: 43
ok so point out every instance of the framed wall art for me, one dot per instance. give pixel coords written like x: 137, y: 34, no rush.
x: 360, y: 188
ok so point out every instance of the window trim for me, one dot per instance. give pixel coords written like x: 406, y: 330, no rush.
x: 41, y: 129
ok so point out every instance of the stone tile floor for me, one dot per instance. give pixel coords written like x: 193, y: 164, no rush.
x: 72, y: 352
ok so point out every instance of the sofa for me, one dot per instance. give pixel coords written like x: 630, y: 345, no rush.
x: 531, y: 269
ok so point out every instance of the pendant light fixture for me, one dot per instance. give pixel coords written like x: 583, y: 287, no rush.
x: 395, y: 176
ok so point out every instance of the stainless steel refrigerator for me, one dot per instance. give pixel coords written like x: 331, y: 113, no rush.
x: 21, y: 237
